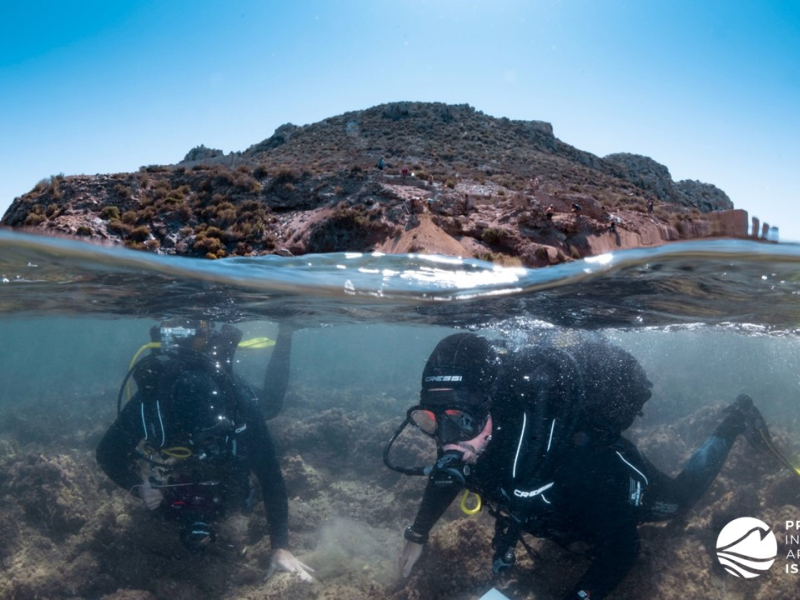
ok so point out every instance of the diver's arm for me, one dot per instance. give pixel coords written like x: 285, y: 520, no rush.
x: 115, y: 453
x: 616, y: 552
x: 435, y: 501
x: 276, y: 378
x: 265, y: 465
x: 604, y: 509
x: 276, y: 504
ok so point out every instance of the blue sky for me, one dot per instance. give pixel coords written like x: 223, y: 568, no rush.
x: 709, y: 88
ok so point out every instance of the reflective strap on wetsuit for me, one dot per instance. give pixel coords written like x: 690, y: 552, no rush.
x: 519, y: 445
x: 161, y: 422
x: 144, y: 421
x: 622, y: 458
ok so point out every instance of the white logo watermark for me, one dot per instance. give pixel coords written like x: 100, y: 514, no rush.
x: 746, y: 547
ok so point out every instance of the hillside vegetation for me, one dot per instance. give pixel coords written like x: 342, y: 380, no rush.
x: 399, y: 177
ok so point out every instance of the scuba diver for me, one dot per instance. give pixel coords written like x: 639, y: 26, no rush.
x: 535, y: 432
x: 188, y: 440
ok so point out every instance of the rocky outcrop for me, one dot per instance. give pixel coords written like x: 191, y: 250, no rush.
x: 654, y: 177
x: 705, y: 196
x: 202, y: 153
x: 282, y: 135
x: 647, y: 174
x: 399, y: 177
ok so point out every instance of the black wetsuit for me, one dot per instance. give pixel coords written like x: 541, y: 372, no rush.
x: 216, y: 477
x: 559, y: 482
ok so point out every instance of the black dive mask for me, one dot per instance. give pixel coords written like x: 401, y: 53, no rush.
x: 183, y: 333
x: 448, y: 425
x: 458, y: 382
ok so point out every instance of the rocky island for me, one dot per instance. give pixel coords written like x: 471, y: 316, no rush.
x: 396, y: 178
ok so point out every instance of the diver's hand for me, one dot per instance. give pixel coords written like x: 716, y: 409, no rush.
x: 151, y: 496
x: 408, y: 557
x: 283, y: 560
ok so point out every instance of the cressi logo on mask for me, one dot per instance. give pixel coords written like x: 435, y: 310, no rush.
x: 746, y: 547
x: 442, y: 378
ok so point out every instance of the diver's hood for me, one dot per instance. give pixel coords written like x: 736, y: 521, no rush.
x: 461, y: 372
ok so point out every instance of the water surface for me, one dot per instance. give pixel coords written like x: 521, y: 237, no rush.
x: 708, y: 320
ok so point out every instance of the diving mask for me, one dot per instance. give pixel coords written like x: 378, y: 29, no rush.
x: 461, y: 437
x: 448, y: 425
x: 185, y: 333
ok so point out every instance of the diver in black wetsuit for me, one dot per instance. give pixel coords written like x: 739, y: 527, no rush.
x: 187, y: 442
x: 536, y: 432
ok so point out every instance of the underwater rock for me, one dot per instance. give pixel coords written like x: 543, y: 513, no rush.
x: 68, y: 533
x: 302, y: 481
x: 79, y: 576
x: 55, y: 491
x: 456, y: 562
x: 326, y: 437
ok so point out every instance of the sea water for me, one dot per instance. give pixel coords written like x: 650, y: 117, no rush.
x: 708, y: 320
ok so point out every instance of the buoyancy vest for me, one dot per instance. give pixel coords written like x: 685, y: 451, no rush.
x: 198, y: 464
x: 536, y: 410
x: 566, y: 388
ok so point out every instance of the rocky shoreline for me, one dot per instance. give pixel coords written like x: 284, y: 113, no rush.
x: 397, y: 178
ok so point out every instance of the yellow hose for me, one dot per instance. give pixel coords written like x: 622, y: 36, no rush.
x: 128, y: 393
x: 252, y: 344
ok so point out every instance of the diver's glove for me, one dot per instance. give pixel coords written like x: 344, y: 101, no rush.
x: 503, y: 561
x: 755, y: 432
x: 152, y: 497
x: 409, y: 556
x: 283, y: 560
x: 745, y: 419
